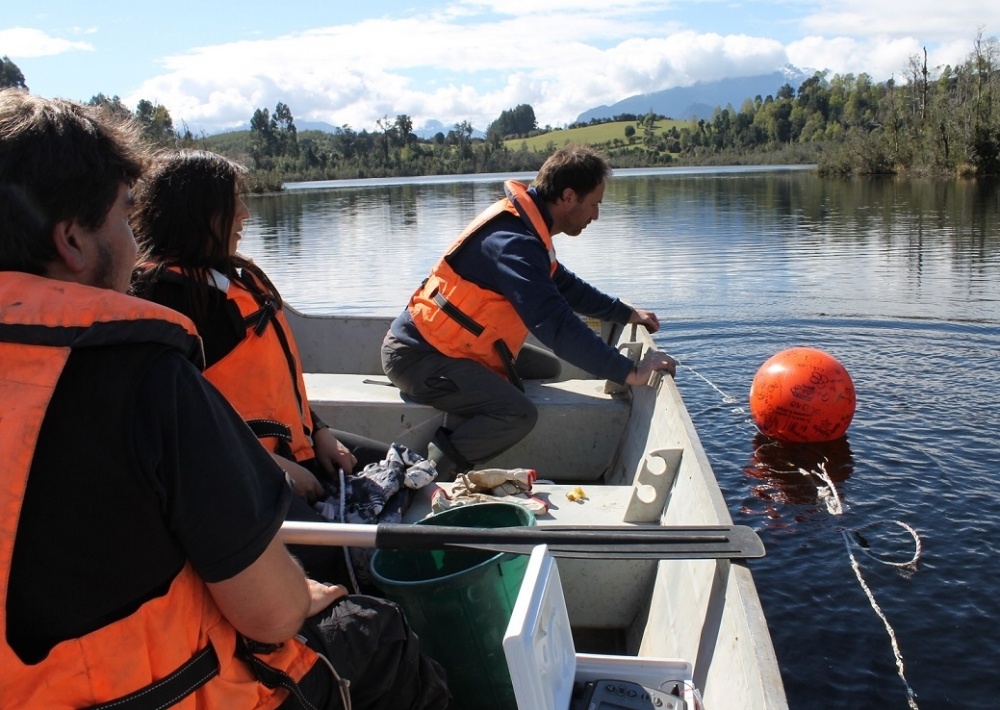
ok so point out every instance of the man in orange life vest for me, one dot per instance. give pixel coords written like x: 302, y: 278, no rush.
x: 139, y: 563
x: 458, y: 344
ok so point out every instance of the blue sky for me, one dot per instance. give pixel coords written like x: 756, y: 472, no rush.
x: 212, y: 63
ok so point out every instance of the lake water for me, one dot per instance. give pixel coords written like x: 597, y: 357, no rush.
x: 897, y: 279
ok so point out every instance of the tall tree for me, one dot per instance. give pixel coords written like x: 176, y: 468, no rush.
x: 113, y: 105
x: 263, y: 142
x: 388, y: 129
x: 404, y: 128
x: 517, y: 122
x: 285, y: 133
x: 157, y: 126
x: 983, y: 67
x: 461, y: 137
x: 10, y: 75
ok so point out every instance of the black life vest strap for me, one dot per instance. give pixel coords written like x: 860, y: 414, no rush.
x: 264, y: 428
x: 456, y: 314
x: 247, y: 650
x: 504, y: 353
x: 170, y: 690
x: 507, y: 358
x: 270, y: 303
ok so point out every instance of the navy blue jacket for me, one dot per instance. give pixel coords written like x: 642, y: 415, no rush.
x: 506, y: 257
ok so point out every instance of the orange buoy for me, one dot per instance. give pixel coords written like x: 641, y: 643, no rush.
x: 802, y: 394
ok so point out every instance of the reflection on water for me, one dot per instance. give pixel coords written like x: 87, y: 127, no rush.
x: 797, y: 473
x: 898, y: 279
x: 693, y: 245
x: 358, y: 250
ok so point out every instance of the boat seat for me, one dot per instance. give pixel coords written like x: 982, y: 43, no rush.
x: 371, y: 406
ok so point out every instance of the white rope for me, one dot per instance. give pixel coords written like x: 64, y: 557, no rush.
x: 911, y: 696
x: 862, y: 544
x: 726, y: 398
x: 343, y: 519
x: 343, y: 684
x: 833, y: 502
x: 852, y: 537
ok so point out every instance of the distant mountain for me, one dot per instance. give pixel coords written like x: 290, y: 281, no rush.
x: 701, y: 99
x: 432, y: 127
x: 426, y: 132
x: 315, y: 126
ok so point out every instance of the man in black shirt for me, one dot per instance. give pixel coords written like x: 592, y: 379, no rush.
x: 139, y: 563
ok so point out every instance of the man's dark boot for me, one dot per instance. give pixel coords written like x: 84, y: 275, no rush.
x: 445, y: 457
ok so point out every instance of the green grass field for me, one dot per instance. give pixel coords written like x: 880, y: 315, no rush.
x: 238, y: 142
x: 590, y: 135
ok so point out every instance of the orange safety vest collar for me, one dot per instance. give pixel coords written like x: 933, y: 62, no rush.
x: 463, y: 320
x: 41, y: 321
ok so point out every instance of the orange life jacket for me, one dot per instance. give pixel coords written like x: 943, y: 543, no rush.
x: 41, y: 321
x: 262, y: 376
x: 461, y: 319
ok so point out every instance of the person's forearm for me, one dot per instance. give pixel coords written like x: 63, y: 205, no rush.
x: 590, y: 301
x: 573, y: 341
x: 267, y: 601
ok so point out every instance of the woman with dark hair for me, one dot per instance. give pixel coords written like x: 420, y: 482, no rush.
x: 187, y: 221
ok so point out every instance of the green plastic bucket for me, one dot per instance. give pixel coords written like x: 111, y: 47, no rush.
x: 459, y: 603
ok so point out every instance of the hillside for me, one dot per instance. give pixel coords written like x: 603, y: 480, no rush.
x: 600, y: 134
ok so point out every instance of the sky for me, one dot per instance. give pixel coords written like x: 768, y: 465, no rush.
x: 213, y: 63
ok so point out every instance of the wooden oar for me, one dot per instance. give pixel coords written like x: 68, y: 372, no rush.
x: 630, y: 542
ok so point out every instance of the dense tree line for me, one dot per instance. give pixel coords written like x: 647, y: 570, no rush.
x: 154, y: 119
x: 945, y: 121
x: 947, y: 125
x: 278, y: 153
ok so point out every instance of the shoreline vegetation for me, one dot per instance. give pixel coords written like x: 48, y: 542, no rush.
x: 939, y: 121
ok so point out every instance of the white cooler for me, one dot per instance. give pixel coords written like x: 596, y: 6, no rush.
x: 543, y: 661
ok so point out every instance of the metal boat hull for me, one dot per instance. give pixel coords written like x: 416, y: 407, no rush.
x: 638, y: 458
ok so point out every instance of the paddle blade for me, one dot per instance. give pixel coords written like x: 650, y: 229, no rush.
x: 606, y: 542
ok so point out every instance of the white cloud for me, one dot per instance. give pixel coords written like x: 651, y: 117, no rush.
x: 433, y: 69
x: 25, y: 43
x: 567, y: 8
x: 472, y: 59
x: 951, y: 20
x: 879, y: 57
x: 879, y: 38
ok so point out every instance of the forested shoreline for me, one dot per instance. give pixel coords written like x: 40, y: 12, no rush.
x: 942, y: 121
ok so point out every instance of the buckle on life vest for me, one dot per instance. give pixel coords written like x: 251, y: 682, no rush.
x: 260, y: 647
x: 260, y: 318
x: 247, y: 650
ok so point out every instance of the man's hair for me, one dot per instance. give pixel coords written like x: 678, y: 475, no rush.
x: 578, y: 167
x: 59, y: 160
